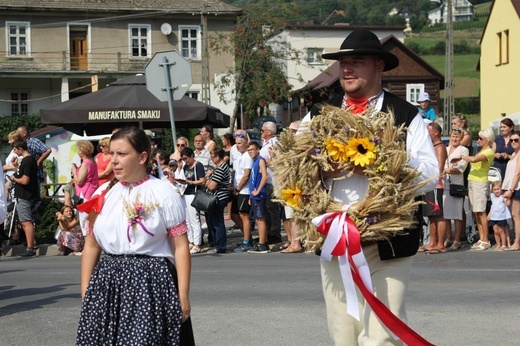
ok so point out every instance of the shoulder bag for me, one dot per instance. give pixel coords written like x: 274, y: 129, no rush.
x: 456, y: 190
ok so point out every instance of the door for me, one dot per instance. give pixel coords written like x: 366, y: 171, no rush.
x: 78, y: 51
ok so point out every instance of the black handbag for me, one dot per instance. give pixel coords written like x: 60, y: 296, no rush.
x: 204, y: 201
x: 457, y: 190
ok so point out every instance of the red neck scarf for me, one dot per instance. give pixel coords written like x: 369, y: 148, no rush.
x: 357, y: 106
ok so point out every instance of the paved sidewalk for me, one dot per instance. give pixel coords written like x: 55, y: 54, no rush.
x: 234, y: 236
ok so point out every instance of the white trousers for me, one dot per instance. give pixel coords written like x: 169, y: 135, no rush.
x: 390, y: 282
x: 193, y: 222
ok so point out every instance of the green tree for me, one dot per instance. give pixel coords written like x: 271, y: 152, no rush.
x: 257, y: 78
x: 11, y: 123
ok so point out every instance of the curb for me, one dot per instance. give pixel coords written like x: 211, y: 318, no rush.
x: 17, y: 250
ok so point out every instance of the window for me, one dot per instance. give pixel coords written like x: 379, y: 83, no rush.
x: 140, y: 41
x: 314, y: 55
x: 505, y: 47
x: 413, y: 91
x: 499, y: 48
x: 21, y: 106
x: 193, y: 94
x: 190, y: 41
x: 18, y: 38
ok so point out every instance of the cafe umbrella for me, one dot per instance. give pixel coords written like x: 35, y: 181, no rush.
x: 127, y: 102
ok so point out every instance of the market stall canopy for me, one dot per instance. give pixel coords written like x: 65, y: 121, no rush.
x: 127, y: 102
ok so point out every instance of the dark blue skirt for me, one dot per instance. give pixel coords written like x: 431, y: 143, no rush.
x: 130, y: 300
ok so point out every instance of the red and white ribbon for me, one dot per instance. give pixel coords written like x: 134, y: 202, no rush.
x: 344, y: 241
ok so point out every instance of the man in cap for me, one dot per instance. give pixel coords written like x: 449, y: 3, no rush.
x: 425, y: 110
x: 362, y: 61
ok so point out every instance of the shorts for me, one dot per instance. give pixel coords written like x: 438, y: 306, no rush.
x: 258, y: 208
x: 516, y: 195
x: 434, y: 204
x: 240, y: 204
x: 478, y: 193
x: 501, y: 223
x: 288, y: 212
x: 24, y: 210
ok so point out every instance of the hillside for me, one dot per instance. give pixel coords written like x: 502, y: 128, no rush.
x: 467, y: 78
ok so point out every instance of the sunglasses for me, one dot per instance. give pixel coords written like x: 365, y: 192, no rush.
x: 240, y: 136
x: 515, y: 140
x: 460, y: 116
x: 102, y: 146
x: 482, y: 139
x: 457, y: 130
x: 181, y: 145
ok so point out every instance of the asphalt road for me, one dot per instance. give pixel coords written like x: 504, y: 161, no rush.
x: 462, y: 298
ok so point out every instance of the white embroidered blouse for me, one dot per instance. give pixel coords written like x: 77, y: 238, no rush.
x: 139, y: 218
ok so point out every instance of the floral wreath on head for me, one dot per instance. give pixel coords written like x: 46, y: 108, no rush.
x: 338, y: 140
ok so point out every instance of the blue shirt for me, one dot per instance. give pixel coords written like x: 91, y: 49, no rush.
x: 429, y: 113
x: 254, y: 180
x: 37, y: 148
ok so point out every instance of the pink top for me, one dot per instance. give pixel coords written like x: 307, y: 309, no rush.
x: 91, y: 182
x: 101, y: 166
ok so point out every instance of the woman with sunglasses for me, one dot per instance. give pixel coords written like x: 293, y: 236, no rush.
x: 182, y: 142
x: 195, y: 179
x: 453, y: 174
x: 478, y: 184
x: 502, y: 146
x: 104, y: 166
x: 511, y: 185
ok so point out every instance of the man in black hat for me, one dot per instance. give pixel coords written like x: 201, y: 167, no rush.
x: 362, y: 61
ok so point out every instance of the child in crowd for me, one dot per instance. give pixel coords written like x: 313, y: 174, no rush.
x: 498, y: 216
x: 258, y: 195
x: 70, y: 238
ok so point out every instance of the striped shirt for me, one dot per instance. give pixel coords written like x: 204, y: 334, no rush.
x: 221, y: 176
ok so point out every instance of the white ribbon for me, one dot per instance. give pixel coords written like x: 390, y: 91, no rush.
x: 337, y: 227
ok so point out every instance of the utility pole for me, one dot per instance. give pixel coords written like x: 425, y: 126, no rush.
x: 449, y: 105
x: 206, y: 92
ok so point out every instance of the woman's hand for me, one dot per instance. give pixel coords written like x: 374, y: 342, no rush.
x: 185, y: 308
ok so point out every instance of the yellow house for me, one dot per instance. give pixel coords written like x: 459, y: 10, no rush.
x: 500, y: 63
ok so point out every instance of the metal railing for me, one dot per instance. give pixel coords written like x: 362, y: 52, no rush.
x: 62, y: 61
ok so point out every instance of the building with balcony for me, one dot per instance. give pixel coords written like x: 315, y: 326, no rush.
x: 53, y: 50
x: 462, y: 12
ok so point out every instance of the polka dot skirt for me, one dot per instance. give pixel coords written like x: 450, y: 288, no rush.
x: 130, y: 300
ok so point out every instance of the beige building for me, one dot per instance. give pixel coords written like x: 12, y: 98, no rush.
x: 51, y: 50
x: 500, y: 63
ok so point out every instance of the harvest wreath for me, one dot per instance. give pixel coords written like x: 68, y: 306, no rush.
x: 338, y: 140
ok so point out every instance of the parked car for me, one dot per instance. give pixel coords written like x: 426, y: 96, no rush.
x: 257, y: 124
x: 255, y: 136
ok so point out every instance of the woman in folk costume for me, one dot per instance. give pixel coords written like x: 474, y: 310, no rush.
x: 129, y: 294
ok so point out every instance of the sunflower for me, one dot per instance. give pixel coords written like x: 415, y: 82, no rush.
x: 336, y: 150
x: 361, y: 151
x: 292, y: 197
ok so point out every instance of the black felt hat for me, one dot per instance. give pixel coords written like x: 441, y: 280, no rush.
x: 364, y: 42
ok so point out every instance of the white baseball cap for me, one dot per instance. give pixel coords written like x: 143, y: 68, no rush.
x: 423, y: 97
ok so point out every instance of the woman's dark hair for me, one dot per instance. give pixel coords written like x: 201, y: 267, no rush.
x: 508, y: 122
x: 188, y: 152
x: 163, y: 155
x: 209, y: 128
x: 219, y: 152
x: 136, y: 137
x: 230, y: 138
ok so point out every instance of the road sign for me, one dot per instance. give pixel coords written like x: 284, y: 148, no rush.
x: 170, y: 64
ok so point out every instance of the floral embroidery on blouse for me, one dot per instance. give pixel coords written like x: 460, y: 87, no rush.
x: 178, y: 230
x: 136, y: 213
x: 137, y: 183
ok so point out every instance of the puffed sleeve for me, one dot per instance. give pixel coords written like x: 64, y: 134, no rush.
x: 173, y: 211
